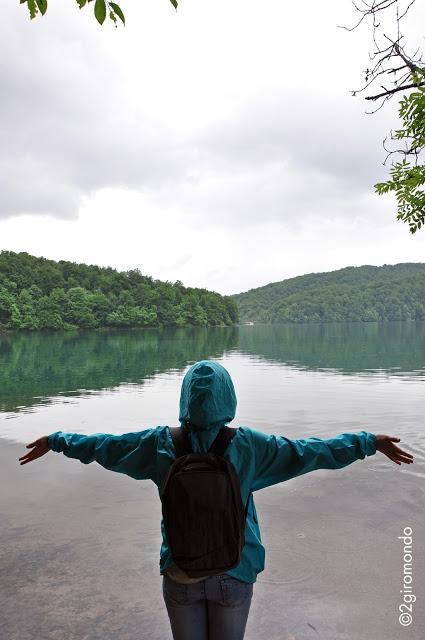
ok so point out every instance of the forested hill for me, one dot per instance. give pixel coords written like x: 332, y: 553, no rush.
x: 365, y: 294
x: 36, y: 293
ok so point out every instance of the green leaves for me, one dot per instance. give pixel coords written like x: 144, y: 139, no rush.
x: 407, y: 179
x: 101, y: 8
x: 35, y: 6
x: 100, y: 11
x: 32, y: 7
x: 116, y: 9
x: 42, y: 5
x: 406, y: 182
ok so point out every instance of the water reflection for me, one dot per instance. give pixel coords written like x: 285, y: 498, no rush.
x: 392, y: 348
x: 36, y: 367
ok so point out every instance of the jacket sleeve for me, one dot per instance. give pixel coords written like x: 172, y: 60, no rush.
x: 278, y: 458
x: 131, y: 453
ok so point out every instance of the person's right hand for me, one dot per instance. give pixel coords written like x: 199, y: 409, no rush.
x: 40, y: 447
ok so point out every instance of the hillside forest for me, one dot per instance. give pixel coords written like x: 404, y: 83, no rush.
x: 37, y: 293
x: 360, y: 294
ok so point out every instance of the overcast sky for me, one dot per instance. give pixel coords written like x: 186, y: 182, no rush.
x: 219, y: 145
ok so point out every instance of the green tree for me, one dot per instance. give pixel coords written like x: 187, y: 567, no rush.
x: 78, y: 309
x: 6, y: 302
x: 28, y: 311
x: 90, y: 296
x: 15, y: 316
x: 49, y: 314
x: 126, y: 316
x: 359, y: 294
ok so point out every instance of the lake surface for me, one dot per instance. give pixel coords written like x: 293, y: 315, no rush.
x: 333, y: 560
x: 297, y: 380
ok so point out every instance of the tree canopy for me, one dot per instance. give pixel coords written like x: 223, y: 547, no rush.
x: 36, y: 293
x: 361, y: 294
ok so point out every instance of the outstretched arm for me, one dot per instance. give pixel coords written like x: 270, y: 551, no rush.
x: 278, y: 458
x: 131, y: 453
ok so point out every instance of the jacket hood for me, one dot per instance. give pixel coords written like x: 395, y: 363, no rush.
x: 207, y: 397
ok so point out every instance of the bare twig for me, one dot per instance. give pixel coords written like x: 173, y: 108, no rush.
x: 390, y: 92
x: 391, y: 67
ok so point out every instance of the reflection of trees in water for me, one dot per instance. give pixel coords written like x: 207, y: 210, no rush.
x: 37, y: 366
x: 350, y: 348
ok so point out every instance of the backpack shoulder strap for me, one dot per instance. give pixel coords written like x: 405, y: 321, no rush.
x: 181, y: 441
x: 222, y: 440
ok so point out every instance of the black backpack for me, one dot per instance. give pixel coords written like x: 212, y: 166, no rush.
x: 202, y: 509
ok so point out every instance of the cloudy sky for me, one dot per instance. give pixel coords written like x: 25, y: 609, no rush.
x: 218, y: 145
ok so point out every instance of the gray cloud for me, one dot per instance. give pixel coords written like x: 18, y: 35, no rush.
x: 70, y: 127
x: 329, y: 134
x: 273, y: 162
x: 66, y: 127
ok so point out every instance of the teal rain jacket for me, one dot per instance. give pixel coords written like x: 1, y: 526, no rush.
x: 207, y: 403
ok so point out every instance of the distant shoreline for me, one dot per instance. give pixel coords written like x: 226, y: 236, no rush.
x: 106, y: 329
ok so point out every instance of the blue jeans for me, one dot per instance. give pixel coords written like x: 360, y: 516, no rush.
x: 213, y: 609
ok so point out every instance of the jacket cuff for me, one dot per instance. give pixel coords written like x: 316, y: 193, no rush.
x: 54, y: 441
x: 370, y: 445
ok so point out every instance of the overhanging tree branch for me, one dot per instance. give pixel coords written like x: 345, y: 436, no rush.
x: 407, y: 178
x: 389, y: 92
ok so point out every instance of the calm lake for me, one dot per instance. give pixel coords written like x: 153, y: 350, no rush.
x: 334, y: 565
x: 294, y: 380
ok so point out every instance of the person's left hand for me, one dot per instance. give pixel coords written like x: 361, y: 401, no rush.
x: 385, y: 444
x: 41, y: 446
